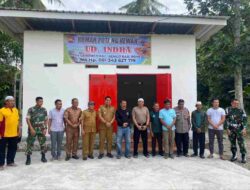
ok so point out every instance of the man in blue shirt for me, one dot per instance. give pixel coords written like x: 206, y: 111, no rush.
x: 168, y: 117
x: 156, y: 129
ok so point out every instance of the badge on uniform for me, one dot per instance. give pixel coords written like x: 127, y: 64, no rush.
x: 127, y: 113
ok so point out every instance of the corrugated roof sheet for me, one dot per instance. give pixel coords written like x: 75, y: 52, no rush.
x: 115, y: 13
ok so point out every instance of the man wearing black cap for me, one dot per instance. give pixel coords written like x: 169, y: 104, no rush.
x: 88, y: 120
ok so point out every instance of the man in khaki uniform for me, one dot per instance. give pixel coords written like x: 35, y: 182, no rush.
x: 107, y: 118
x: 72, y: 117
x: 88, y: 120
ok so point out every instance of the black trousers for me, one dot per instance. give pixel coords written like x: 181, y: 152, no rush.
x: 144, y: 137
x: 11, y: 144
x: 198, y: 141
x: 182, y: 142
x: 157, y: 137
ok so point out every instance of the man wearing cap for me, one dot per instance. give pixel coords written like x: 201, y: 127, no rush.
x: 106, y: 115
x: 141, y: 119
x: 72, y: 117
x: 37, y: 120
x: 10, y: 129
x: 199, y: 122
x: 183, y: 126
x: 88, y: 120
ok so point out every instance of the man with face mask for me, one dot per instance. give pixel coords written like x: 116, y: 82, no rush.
x: 236, y: 124
x: 72, y: 117
x: 10, y: 129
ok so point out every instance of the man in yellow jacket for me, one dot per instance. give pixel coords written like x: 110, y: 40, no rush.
x: 10, y: 130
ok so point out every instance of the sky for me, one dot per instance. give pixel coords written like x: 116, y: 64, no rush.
x: 173, y: 6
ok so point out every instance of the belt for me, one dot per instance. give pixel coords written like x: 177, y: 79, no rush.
x: 141, y: 124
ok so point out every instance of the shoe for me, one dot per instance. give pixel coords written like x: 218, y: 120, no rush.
x: 53, y: 158
x: 135, y: 155
x: 28, y: 160
x: 161, y: 154
x: 171, y: 156
x: 210, y: 156
x: 186, y: 155
x: 118, y: 157
x: 194, y: 155
x: 222, y: 157
x: 43, y: 159
x: 59, y: 158
x: 243, y: 159
x: 12, y: 165
x: 1, y: 168
x: 84, y: 158
x: 146, y: 155
x: 67, y: 158
x: 166, y: 156
x: 178, y: 155
x: 100, y: 156
x: 234, y: 157
x: 110, y: 155
x: 128, y: 156
x: 202, y: 156
x: 153, y: 154
x: 75, y: 157
x: 91, y: 157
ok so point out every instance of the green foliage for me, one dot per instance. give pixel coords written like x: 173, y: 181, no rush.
x: 28, y: 4
x: 218, y: 57
x: 144, y: 7
x: 7, y: 73
x: 10, y: 50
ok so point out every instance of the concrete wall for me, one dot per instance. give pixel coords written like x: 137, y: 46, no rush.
x: 71, y: 80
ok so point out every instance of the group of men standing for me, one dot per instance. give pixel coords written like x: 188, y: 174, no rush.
x: 167, y: 126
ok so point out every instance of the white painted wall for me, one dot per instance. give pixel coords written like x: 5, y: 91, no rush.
x: 71, y: 80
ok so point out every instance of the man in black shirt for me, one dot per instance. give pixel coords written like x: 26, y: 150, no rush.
x: 123, y: 118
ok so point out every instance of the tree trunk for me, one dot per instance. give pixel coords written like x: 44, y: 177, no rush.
x: 238, y: 66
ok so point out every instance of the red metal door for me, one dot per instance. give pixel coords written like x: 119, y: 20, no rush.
x: 101, y: 86
x: 163, y: 88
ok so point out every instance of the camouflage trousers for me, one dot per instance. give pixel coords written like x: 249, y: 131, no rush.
x: 41, y: 139
x: 237, y: 136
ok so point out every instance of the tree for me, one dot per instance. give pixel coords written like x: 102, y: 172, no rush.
x: 34, y: 4
x: 11, y: 51
x: 144, y: 7
x: 223, y: 58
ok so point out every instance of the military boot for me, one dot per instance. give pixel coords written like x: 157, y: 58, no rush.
x: 243, y: 160
x: 43, y: 159
x: 234, y: 157
x: 28, y: 160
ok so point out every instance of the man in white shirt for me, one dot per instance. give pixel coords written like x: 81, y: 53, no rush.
x: 216, y: 119
x: 56, y: 129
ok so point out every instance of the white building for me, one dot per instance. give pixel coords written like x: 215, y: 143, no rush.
x: 120, y: 55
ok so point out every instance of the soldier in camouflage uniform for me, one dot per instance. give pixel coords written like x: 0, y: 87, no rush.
x: 236, y: 123
x: 37, y: 120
